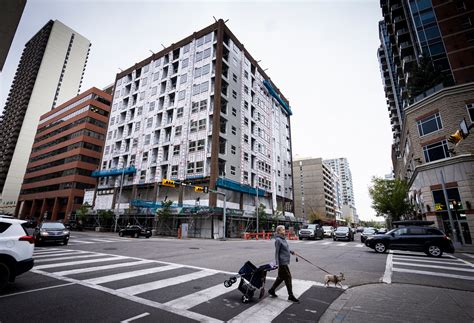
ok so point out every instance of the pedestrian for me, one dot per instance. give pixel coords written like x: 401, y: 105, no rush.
x: 282, y: 259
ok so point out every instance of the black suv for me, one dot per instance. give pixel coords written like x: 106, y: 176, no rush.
x: 413, y: 238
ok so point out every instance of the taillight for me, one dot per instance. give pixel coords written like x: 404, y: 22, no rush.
x: 30, y: 239
x: 447, y: 238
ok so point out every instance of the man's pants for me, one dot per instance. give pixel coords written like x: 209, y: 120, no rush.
x: 283, y: 275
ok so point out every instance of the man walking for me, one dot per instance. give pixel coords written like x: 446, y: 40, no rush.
x: 282, y: 259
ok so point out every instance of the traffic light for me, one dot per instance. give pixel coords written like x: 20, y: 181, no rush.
x: 456, y: 137
x: 206, y: 189
x: 198, y: 189
x: 168, y: 182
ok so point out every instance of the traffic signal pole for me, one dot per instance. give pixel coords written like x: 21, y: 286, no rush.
x: 451, y: 222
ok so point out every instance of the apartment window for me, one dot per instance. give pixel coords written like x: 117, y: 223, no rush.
x: 183, y: 78
x: 234, y: 77
x: 147, y: 139
x: 246, y: 139
x: 192, y: 146
x: 436, y: 151
x: 234, y: 130
x: 232, y: 170
x: 193, y: 127
x: 196, y: 89
x: 202, y: 124
x: 246, y: 105
x: 137, y: 126
x: 246, y: 89
x: 234, y: 112
x: 470, y: 111
x: 185, y: 63
x: 199, y: 167
x: 176, y: 150
x: 246, y: 121
x: 149, y: 122
x: 190, y: 168
x: 429, y: 124
x: 246, y: 75
x: 112, y: 121
x: 246, y: 176
x: 181, y: 95
x: 177, y: 131
x: 156, y: 76
x: 204, y: 87
x: 233, y: 150
x: 152, y: 106
x: 139, y: 111
x: 234, y: 94
x: 206, y: 53
x: 179, y: 112
x: 195, y: 107
x: 200, y: 145
x: 174, y: 170
x: 203, y: 105
x: 246, y: 157
x: 142, y: 95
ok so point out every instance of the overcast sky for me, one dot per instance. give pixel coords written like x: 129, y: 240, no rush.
x: 322, y: 55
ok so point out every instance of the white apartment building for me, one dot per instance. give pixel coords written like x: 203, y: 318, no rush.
x: 201, y: 112
x: 50, y: 72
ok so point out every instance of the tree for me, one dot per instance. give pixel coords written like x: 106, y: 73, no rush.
x: 348, y: 219
x: 103, y: 216
x: 164, y: 212
x: 81, y: 213
x: 316, y: 216
x: 425, y: 75
x: 262, y: 215
x: 389, y: 198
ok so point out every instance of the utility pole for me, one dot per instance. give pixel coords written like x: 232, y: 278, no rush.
x: 451, y: 222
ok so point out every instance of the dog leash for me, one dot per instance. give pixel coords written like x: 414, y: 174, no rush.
x: 309, y: 262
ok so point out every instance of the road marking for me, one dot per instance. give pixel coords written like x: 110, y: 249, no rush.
x: 135, y: 317
x: 146, y: 287
x: 90, y: 269
x: 191, y: 300
x: 296, y: 241
x: 66, y: 258
x: 432, y: 273
x: 269, y: 308
x: 36, y: 290
x: 359, y: 245
x: 434, y: 266
x: 81, y: 241
x: 81, y: 262
x: 326, y: 243
x: 312, y: 242
x: 342, y: 244
x: 57, y: 254
x: 449, y: 262
x: 387, y: 276
x: 468, y: 255
x: 111, y: 278
x: 107, y: 240
x: 52, y: 252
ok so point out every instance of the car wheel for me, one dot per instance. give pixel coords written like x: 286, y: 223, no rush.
x: 380, y: 247
x: 120, y: 234
x: 148, y: 236
x: 4, y: 275
x: 65, y: 242
x: 434, y: 251
x: 334, y: 239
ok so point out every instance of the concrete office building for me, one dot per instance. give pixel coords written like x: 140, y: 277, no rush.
x: 203, y: 112
x: 67, y: 147
x: 315, y: 190
x: 425, y: 113
x: 10, y: 16
x: 50, y: 72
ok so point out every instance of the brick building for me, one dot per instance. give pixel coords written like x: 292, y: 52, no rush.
x: 67, y: 148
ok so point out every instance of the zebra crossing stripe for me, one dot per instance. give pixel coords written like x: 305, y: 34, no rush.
x: 115, y: 277
x: 359, y: 245
x: 468, y: 255
x: 81, y: 262
x: 57, y: 254
x: 434, y: 266
x: 142, y: 288
x: 432, y: 273
x: 342, y: 244
x: 271, y: 307
x: 449, y: 262
x: 312, y: 242
x: 75, y: 241
x: 326, y: 243
x: 98, y: 268
x: 67, y: 258
x: 191, y: 300
x: 51, y: 252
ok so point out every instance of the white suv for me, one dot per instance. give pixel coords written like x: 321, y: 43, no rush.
x: 16, y: 250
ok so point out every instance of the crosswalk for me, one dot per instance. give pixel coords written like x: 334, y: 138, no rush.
x: 331, y: 243
x: 417, y: 264
x: 147, y: 281
x: 86, y: 240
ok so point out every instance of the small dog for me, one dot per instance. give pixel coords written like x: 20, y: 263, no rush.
x: 336, y: 279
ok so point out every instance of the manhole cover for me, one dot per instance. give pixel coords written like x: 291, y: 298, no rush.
x: 195, y: 248
x: 109, y: 249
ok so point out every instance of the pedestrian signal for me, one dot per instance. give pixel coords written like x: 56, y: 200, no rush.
x: 198, y: 189
x: 168, y: 182
x: 206, y: 189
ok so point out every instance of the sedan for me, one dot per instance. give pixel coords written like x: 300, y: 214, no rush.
x: 345, y: 233
x: 368, y: 232
x: 135, y: 231
x: 51, y: 232
x: 328, y: 231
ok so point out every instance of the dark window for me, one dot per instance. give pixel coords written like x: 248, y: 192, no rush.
x: 470, y: 110
x: 4, y: 226
x: 429, y: 124
x: 436, y: 49
x: 436, y: 151
x: 434, y: 232
x: 401, y: 232
x: 416, y: 231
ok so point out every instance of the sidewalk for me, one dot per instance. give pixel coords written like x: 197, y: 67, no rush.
x: 401, y: 303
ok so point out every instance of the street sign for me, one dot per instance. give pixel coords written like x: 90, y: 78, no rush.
x: 198, y: 189
x: 168, y: 182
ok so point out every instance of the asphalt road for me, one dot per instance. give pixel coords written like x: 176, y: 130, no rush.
x: 101, y: 277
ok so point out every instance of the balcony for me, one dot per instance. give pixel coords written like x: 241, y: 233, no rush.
x: 408, y: 61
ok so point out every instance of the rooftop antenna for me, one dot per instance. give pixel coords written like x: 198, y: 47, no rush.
x: 163, y: 46
x: 226, y: 21
x: 151, y: 51
x: 214, y: 18
x: 121, y: 70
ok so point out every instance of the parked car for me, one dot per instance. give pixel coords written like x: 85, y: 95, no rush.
x: 368, y: 232
x: 345, y: 233
x: 360, y: 229
x: 135, y: 231
x: 73, y: 225
x: 51, y: 232
x: 311, y: 231
x: 328, y: 231
x: 430, y: 240
x: 16, y: 250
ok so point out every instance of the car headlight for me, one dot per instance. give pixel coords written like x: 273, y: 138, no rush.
x: 44, y: 233
x: 65, y: 231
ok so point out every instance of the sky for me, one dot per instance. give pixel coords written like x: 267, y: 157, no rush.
x: 322, y: 55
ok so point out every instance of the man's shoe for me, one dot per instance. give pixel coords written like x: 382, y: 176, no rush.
x: 272, y: 293
x: 292, y: 298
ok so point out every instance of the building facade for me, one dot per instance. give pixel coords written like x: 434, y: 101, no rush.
x: 49, y: 73
x: 67, y: 148
x: 315, y: 190
x: 201, y: 112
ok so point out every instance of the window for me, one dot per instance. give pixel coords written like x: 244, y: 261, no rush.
x: 184, y: 78
x: 246, y: 89
x: 233, y: 150
x: 203, y: 105
x: 200, y: 144
x: 179, y: 113
x: 199, y: 167
x: 193, y: 127
x: 246, y: 139
x: 156, y: 76
x: 137, y: 126
x: 470, y: 111
x: 436, y: 151
x: 246, y: 176
x: 202, y: 124
x: 234, y: 77
x: 246, y: 105
x: 176, y: 150
x: 152, y: 106
x: 234, y: 94
x: 174, y: 170
x: 147, y: 139
x: 205, y: 69
x: 246, y: 121
x: 246, y: 156
x: 232, y: 170
x: 185, y: 63
x: 429, y: 124
x: 190, y: 168
x: 246, y: 75
x: 234, y: 112
x: 205, y: 87
x: 181, y: 95
x: 234, y: 130
x: 192, y: 146
x: 149, y: 122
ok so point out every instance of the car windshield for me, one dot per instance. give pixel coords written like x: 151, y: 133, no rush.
x: 327, y: 227
x: 369, y: 231
x: 309, y: 226
x: 343, y: 229
x: 393, y: 230
x: 58, y: 226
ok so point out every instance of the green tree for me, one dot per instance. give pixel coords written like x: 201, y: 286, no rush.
x: 81, y: 213
x: 262, y: 216
x: 104, y: 216
x: 389, y: 198
x: 424, y: 76
x: 315, y: 216
x: 348, y: 219
x: 164, y: 212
